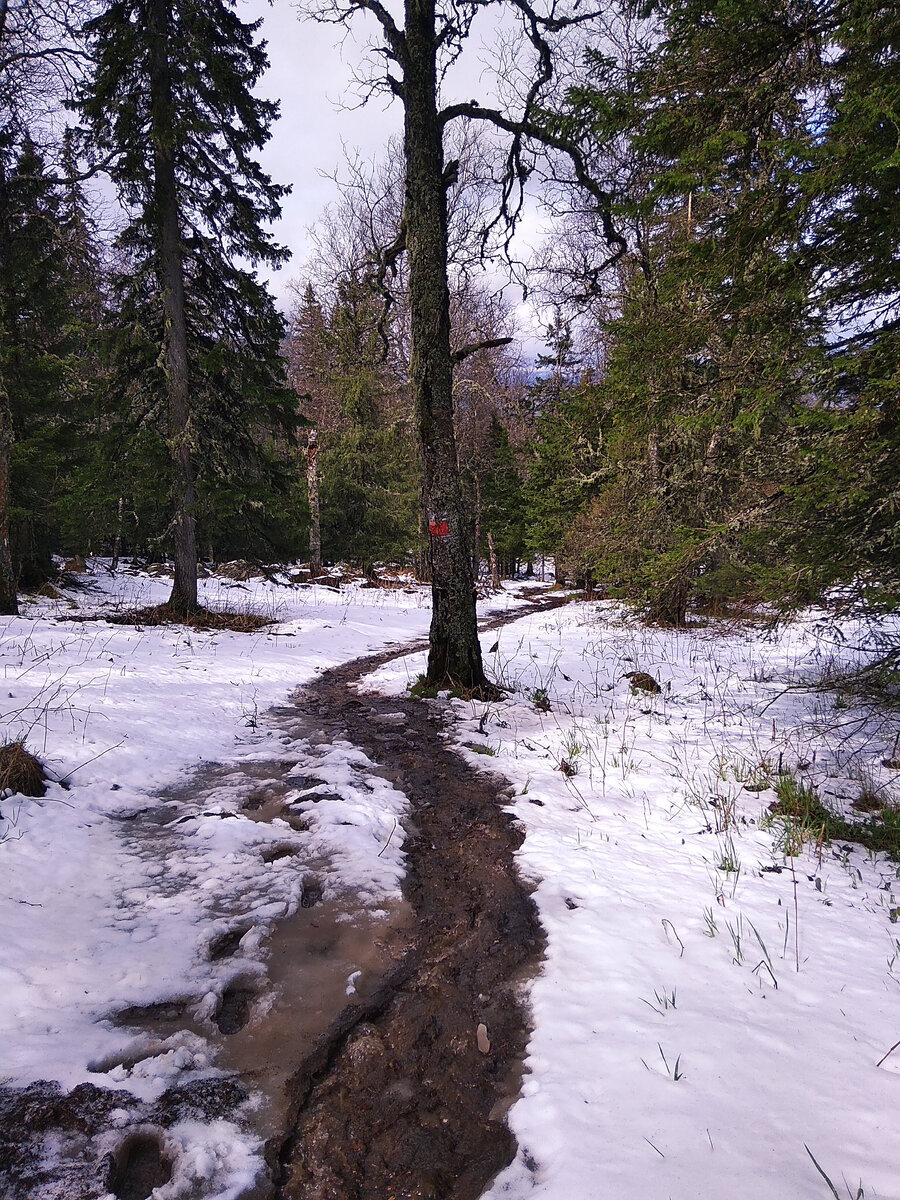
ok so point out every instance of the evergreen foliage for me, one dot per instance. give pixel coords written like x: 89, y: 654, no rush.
x: 49, y: 304
x: 847, y: 497
x: 565, y: 468
x: 368, y: 463
x: 204, y: 127
x: 735, y: 440
x: 502, y: 500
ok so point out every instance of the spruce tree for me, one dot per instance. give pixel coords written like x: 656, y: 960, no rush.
x: 847, y: 495
x: 716, y: 339
x: 566, y: 464
x: 49, y: 308
x: 367, y: 463
x: 171, y: 104
x: 502, y: 515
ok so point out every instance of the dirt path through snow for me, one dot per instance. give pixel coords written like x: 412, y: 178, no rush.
x: 401, y: 1094
x: 407, y: 1093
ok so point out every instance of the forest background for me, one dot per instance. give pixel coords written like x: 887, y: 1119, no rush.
x: 713, y: 421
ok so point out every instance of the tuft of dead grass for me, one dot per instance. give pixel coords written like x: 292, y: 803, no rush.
x: 20, y: 771
x: 233, y: 620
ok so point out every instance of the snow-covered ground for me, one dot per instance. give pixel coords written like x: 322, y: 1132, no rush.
x: 701, y: 1017
x: 707, y: 1008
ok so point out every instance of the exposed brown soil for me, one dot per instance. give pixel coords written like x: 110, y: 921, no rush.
x: 201, y: 618
x: 399, y: 1099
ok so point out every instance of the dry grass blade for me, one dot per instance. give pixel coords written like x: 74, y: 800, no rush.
x: 859, y: 1194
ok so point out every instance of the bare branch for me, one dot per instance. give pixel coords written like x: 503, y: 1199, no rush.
x: 68, y: 53
x: 465, y: 352
x: 544, y: 136
x: 340, y: 13
x: 552, y: 23
x: 396, y: 39
x: 387, y: 261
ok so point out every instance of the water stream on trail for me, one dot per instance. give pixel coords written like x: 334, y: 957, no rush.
x: 327, y: 951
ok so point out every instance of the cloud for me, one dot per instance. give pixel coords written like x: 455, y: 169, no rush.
x: 312, y: 76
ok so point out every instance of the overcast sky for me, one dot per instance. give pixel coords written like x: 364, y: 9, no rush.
x: 311, y: 76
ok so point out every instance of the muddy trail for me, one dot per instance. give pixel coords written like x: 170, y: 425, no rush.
x: 406, y: 1095
x: 401, y: 1093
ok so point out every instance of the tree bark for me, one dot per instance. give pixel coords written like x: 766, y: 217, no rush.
x: 9, y: 604
x: 312, y: 488
x: 171, y: 278
x: 476, y: 547
x: 423, y: 564
x: 495, y: 566
x: 455, y: 653
x: 117, y: 544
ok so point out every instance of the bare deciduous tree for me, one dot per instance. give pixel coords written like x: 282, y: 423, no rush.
x: 417, y: 56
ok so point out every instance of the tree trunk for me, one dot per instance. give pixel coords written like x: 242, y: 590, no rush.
x: 476, y: 549
x: 455, y: 653
x: 423, y: 565
x: 171, y: 278
x: 495, y: 566
x: 9, y: 604
x: 117, y: 544
x: 669, y: 605
x: 312, y: 488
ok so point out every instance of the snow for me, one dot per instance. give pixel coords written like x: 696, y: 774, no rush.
x: 700, y: 1017
x: 121, y: 713
x: 102, y: 906
x: 208, y: 1154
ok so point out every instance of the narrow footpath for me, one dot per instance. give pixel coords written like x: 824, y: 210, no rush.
x: 407, y: 1093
